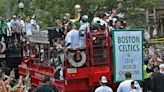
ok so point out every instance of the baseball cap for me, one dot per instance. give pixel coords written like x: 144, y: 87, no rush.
x: 135, y: 84
x: 33, y: 16
x: 85, y: 17
x: 27, y: 42
x: 103, y: 79
x: 65, y: 18
x: 107, y: 14
x: 14, y: 16
x: 68, y: 15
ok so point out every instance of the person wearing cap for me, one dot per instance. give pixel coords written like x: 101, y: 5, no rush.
x: 14, y: 23
x: 84, y: 29
x: 104, y: 20
x: 125, y: 86
x: 158, y: 80
x: 35, y: 26
x: 135, y: 87
x: 66, y: 21
x: 28, y: 30
x: 15, y: 28
x: 33, y: 21
x: 103, y: 87
x: 22, y: 24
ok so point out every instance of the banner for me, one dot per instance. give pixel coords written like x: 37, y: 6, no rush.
x: 128, y: 54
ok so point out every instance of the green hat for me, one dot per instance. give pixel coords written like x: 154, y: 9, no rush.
x: 96, y: 24
x: 68, y: 15
x: 85, y: 17
x: 65, y: 18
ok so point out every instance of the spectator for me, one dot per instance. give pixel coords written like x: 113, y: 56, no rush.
x: 28, y: 28
x: 125, y: 86
x: 5, y: 69
x: 158, y: 80
x: 147, y: 74
x: 46, y: 86
x: 2, y: 84
x: 103, y: 87
x: 3, y: 29
x: 14, y: 23
x: 118, y: 24
x: 135, y: 87
x: 5, y: 81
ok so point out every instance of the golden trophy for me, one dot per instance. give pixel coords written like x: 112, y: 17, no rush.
x: 77, y: 9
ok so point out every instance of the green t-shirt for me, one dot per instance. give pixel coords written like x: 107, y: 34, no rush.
x: 3, y: 28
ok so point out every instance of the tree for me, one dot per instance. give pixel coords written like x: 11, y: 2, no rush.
x: 47, y: 10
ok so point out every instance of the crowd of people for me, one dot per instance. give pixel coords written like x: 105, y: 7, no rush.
x: 71, y: 34
x: 16, y: 26
x: 153, y: 67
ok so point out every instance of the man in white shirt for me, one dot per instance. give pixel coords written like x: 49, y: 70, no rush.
x: 21, y: 24
x: 33, y: 24
x: 28, y: 29
x: 72, y: 38
x: 125, y: 86
x: 9, y: 33
x: 14, y: 23
x: 85, y: 28
x: 103, y: 87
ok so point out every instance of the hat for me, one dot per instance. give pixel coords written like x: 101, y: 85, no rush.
x: 68, y: 15
x: 65, y: 18
x: 103, y: 79
x: 33, y: 16
x: 23, y: 40
x: 27, y: 42
x: 136, y: 84
x: 161, y: 66
x: 42, y: 50
x: 85, y: 17
x: 107, y: 14
x: 14, y: 16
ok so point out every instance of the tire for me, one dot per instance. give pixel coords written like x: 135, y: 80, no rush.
x: 77, y: 64
x: 3, y: 47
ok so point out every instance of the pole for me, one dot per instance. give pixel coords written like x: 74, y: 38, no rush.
x: 147, y: 21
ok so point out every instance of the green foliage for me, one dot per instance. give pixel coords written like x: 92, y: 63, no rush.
x: 47, y: 10
x: 1, y: 9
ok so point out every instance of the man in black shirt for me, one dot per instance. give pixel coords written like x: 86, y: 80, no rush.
x: 56, y: 32
x: 158, y: 80
x: 47, y: 86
